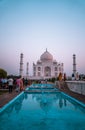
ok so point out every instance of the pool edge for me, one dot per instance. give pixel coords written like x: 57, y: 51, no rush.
x: 5, y: 106
x: 77, y: 101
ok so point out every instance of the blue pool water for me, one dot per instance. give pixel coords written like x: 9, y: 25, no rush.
x: 43, y: 111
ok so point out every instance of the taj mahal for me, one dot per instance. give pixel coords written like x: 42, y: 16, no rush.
x: 46, y: 67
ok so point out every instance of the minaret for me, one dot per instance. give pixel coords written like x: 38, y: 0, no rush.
x: 74, y: 65
x: 21, y: 64
x: 27, y: 69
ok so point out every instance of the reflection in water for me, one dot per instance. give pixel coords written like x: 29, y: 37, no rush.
x: 56, y: 106
x: 9, y: 110
x: 45, y: 105
x: 45, y: 101
x: 26, y: 95
x: 60, y: 102
x: 65, y: 102
x: 18, y: 104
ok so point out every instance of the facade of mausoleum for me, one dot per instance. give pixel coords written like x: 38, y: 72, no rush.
x: 47, y: 67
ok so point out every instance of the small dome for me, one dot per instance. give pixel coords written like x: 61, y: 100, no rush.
x: 46, y: 56
x: 39, y: 62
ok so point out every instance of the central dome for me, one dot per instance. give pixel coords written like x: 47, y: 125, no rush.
x: 46, y: 56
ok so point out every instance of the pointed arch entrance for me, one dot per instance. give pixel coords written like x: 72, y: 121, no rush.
x: 47, y: 71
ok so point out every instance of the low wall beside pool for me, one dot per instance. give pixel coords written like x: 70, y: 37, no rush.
x: 76, y: 86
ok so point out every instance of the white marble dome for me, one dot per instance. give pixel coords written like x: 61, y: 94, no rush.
x: 46, y: 56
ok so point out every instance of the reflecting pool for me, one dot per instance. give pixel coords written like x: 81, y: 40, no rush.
x: 43, y: 111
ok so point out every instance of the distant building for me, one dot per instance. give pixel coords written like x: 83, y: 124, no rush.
x: 47, y: 67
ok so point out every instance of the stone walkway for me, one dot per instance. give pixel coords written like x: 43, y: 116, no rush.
x: 6, y: 97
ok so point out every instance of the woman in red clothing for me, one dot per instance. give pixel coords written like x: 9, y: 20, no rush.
x: 21, y: 84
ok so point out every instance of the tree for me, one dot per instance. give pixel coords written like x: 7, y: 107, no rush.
x: 3, y: 73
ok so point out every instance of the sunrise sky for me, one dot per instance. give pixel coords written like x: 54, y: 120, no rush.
x: 31, y: 26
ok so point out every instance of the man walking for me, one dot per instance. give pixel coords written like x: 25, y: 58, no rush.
x: 10, y: 84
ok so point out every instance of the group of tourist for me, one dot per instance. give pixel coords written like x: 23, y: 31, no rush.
x: 10, y: 83
x: 19, y: 84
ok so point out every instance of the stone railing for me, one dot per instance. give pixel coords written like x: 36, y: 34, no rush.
x: 76, y: 86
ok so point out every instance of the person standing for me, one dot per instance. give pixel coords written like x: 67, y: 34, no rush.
x: 10, y: 84
x: 60, y: 76
x: 18, y: 85
x: 21, y: 84
x: 64, y: 76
